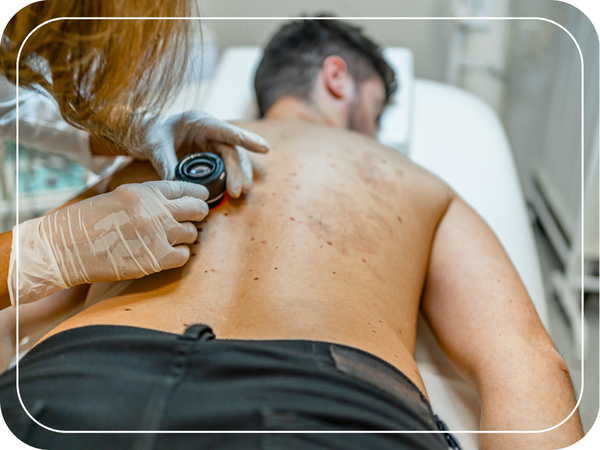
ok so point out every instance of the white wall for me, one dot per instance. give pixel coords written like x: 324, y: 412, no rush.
x: 484, y: 55
x: 426, y: 38
x: 543, y: 111
x: 430, y: 40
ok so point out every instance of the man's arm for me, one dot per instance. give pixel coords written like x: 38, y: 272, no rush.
x: 486, y: 324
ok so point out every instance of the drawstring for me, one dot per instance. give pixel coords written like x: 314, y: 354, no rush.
x: 198, y: 332
x: 450, y: 440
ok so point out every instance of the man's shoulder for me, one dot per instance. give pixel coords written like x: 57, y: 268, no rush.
x: 374, y: 162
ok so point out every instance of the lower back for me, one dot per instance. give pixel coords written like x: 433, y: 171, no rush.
x: 331, y: 244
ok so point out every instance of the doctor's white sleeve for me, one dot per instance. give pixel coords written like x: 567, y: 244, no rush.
x: 41, y: 126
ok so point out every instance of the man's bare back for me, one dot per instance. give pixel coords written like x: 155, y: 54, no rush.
x: 332, y: 244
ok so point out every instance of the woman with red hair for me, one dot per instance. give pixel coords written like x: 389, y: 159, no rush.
x: 109, y: 79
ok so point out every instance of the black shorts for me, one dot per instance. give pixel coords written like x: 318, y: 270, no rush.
x: 115, y: 378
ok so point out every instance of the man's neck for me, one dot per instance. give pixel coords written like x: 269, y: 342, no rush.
x: 293, y: 108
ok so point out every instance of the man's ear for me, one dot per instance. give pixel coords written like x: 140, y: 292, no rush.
x: 336, y: 76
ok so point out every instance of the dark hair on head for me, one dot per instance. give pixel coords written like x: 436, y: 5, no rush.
x: 296, y: 53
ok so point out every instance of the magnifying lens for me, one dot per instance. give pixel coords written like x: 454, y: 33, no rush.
x: 206, y: 169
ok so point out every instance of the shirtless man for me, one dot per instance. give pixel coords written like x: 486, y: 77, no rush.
x: 341, y: 241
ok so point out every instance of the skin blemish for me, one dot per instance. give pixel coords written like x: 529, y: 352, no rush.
x: 264, y: 242
x: 127, y: 309
x: 251, y: 239
x: 275, y: 268
x: 380, y: 321
x: 185, y: 325
x: 321, y: 246
x: 206, y: 271
x: 333, y: 165
x: 329, y: 243
x: 296, y: 187
x: 374, y: 331
x: 320, y: 223
x: 226, y: 214
x: 334, y: 273
x: 370, y: 171
x: 364, y: 261
x: 310, y: 217
x: 256, y: 279
x: 399, y: 219
x: 212, y: 270
x: 498, y: 280
x: 291, y: 218
x: 276, y: 247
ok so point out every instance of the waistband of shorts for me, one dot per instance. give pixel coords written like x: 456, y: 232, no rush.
x: 347, y: 359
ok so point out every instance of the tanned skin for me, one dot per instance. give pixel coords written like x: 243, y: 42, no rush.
x: 343, y: 240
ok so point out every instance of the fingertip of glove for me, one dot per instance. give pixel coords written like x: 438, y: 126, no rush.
x: 203, y: 213
x: 197, y: 190
x: 178, y: 257
x: 234, y: 191
x: 256, y: 143
x: 246, y: 187
x: 264, y: 146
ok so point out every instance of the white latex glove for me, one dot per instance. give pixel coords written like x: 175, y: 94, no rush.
x: 136, y: 230
x: 203, y: 133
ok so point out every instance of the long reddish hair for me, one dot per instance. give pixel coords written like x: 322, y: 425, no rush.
x: 104, y: 74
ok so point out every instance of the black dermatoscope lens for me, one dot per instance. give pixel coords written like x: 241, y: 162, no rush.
x: 206, y: 169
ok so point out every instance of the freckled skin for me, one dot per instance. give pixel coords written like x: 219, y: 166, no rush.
x: 325, y: 261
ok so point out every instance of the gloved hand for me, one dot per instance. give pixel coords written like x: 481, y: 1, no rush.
x: 203, y: 133
x: 136, y: 230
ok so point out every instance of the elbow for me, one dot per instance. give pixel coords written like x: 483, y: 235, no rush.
x: 522, y: 364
